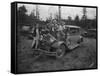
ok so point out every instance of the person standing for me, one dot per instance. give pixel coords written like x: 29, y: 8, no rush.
x: 35, y: 41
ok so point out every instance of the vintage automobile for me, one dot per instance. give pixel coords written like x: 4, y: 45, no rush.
x: 51, y: 45
x: 73, y: 35
x: 91, y: 33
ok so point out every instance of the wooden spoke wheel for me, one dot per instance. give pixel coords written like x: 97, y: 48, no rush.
x: 60, y: 51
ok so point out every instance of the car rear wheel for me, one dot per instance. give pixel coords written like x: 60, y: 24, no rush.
x: 60, y: 51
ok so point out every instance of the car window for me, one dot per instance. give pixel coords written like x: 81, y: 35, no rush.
x: 92, y: 32
x: 74, y: 31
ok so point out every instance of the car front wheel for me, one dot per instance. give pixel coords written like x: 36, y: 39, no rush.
x: 60, y: 51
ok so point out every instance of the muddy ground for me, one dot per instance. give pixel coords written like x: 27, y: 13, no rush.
x: 82, y: 57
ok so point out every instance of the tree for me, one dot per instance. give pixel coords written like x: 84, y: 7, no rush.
x: 69, y: 21
x: 22, y: 16
x: 56, y: 16
x: 22, y: 9
x: 84, y: 19
x: 77, y: 20
x: 69, y: 18
x: 32, y: 18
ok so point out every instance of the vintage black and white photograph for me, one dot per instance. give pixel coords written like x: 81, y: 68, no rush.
x: 53, y: 37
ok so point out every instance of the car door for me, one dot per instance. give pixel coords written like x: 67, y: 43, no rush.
x: 73, y: 37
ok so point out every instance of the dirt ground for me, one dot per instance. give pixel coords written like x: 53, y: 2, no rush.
x: 80, y: 58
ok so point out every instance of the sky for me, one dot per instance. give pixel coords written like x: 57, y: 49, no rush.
x: 45, y: 10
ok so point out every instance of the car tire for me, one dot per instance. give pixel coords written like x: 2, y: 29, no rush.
x: 60, y: 52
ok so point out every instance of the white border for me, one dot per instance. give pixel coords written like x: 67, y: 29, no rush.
x: 5, y: 37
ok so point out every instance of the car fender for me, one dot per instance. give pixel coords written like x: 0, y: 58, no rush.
x: 57, y: 44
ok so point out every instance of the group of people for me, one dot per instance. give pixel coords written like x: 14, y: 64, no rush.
x: 54, y: 29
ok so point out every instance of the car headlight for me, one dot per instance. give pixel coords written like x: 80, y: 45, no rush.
x: 81, y: 37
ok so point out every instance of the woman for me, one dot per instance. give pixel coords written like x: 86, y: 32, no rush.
x: 36, y: 37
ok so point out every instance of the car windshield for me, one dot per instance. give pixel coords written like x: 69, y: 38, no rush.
x: 74, y: 31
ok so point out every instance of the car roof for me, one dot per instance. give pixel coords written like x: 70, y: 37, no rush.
x: 72, y: 26
x: 92, y: 29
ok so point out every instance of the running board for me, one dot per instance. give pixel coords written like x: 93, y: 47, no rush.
x: 71, y: 47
